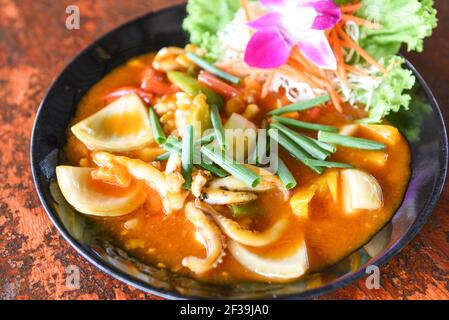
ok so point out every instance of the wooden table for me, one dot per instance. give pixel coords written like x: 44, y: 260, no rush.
x: 34, y: 47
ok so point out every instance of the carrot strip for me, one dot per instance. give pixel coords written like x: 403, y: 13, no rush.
x: 349, y: 43
x: 349, y: 8
x: 361, y: 22
x: 356, y: 70
x: 267, y: 85
x: 341, y: 71
x: 246, y: 9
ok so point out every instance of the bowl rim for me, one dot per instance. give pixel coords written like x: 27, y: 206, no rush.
x: 340, y: 282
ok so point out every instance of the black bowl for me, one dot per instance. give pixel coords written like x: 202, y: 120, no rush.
x: 424, y: 128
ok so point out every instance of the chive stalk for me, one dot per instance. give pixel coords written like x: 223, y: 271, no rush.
x: 295, y: 150
x: 304, y: 125
x: 213, y: 69
x: 350, y: 142
x: 328, y: 164
x: 285, y: 175
x: 158, y: 133
x: 218, y: 126
x: 187, y: 156
x: 302, y: 141
x: 301, y: 106
x: 239, y: 171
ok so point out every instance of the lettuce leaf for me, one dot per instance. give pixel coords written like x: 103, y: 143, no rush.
x: 205, y: 18
x: 403, y: 21
x: 392, y: 93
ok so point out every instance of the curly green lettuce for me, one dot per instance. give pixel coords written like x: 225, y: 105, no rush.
x: 392, y: 93
x: 205, y: 18
x: 404, y: 22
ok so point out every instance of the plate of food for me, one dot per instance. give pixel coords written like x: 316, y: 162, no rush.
x: 230, y: 150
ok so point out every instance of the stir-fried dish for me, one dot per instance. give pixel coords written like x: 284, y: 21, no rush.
x: 262, y: 150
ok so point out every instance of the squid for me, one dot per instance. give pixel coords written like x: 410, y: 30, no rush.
x: 173, y: 198
x: 268, y: 182
x: 225, y: 197
x: 289, y: 267
x: 209, y: 235
x: 241, y: 235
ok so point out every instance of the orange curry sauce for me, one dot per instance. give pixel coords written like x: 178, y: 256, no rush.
x: 164, y: 240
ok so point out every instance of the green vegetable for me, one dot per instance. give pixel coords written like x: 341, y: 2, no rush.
x: 403, y: 21
x: 301, y: 106
x: 173, y: 145
x: 285, y: 175
x: 293, y: 148
x: 350, y: 142
x: 213, y: 69
x: 304, y: 125
x: 187, y: 156
x: 323, y: 145
x: 391, y: 95
x: 205, y: 18
x: 239, y: 171
x: 192, y: 87
x: 242, y: 210
x: 218, y: 127
x: 206, y: 138
x: 158, y: 133
x: 309, y: 146
x: 328, y: 164
x: 163, y: 156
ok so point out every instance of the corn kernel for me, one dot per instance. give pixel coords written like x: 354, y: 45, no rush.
x: 251, y: 111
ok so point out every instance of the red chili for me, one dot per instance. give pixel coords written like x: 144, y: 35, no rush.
x: 217, y: 85
x: 122, y: 91
x: 156, y: 82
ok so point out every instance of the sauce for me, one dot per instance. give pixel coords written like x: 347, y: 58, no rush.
x: 329, y: 232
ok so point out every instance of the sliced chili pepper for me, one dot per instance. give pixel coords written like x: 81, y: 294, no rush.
x: 217, y: 85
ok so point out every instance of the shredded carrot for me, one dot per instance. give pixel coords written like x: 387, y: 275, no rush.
x: 246, y: 9
x: 267, y: 85
x: 349, y: 43
x: 350, y: 8
x: 361, y: 22
x: 341, y: 71
x: 356, y: 70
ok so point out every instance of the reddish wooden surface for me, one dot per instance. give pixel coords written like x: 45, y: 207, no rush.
x: 34, y: 47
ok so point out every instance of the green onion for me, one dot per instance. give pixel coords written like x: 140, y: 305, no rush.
x: 192, y: 87
x: 300, y: 106
x: 302, y: 141
x: 242, y: 210
x: 304, y: 125
x: 329, y: 164
x: 296, y: 151
x: 205, y: 139
x: 158, y: 133
x: 239, y: 171
x: 163, y: 156
x: 187, y: 156
x: 213, y: 69
x: 214, y: 169
x: 218, y: 127
x: 174, y: 145
x: 285, y: 175
x: 350, y: 142
x: 323, y: 145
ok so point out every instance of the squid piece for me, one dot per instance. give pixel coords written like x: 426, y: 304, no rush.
x: 290, y: 267
x: 156, y: 179
x: 199, y: 180
x: 268, y: 182
x: 241, y: 235
x: 173, y: 175
x: 225, y: 197
x: 209, y: 235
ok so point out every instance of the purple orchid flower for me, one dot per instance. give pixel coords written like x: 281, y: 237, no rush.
x: 289, y: 23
